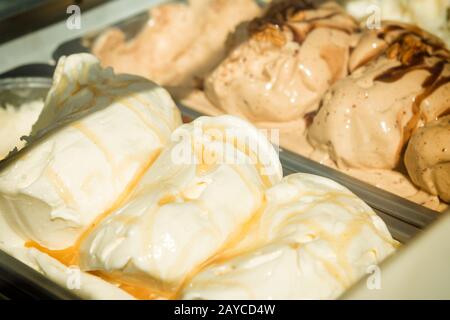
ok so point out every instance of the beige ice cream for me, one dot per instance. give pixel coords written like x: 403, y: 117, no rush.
x: 313, y: 241
x: 16, y: 122
x: 427, y: 158
x: 78, y: 163
x: 431, y: 15
x: 84, y: 285
x: 179, y: 43
x: 283, y: 62
x: 366, y: 119
x: 399, y: 81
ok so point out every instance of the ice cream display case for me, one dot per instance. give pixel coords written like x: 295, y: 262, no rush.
x: 403, y: 210
x: 93, y: 196
x: 311, y: 134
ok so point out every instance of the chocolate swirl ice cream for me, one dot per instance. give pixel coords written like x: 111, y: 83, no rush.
x: 399, y: 81
x: 366, y: 119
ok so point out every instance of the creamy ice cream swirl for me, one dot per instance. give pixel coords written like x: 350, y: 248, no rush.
x: 184, y: 209
x: 314, y: 239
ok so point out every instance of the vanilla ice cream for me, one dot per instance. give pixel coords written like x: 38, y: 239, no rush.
x: 431, y: 15
x: 16, y: 122
x: 97, y: 134
x: 427, y: 158
x: 313, y: 240
x: 282, y: 63
x: 180, y: 43
x: 197, y: 197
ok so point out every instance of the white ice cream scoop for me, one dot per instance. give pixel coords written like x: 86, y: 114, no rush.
x: 196, y: 198
x: 96, y: 136
x: 314, y: 239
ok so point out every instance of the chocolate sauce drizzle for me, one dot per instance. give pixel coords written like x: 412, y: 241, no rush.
x: 309, y: 117
x: 411, y: 47
x: 415, y: 50
x: 288, y: 13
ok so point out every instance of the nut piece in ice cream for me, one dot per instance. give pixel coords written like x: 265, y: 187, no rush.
x: 313, y: 241
x: 201, y: 193
x: 427, y: 158
x: 399, y: 81
x: 98, y: 132
x: 283, y: 63
x: 179, y: 44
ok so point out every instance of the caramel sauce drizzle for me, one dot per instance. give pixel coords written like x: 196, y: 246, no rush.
x: 341, y: 270
x: 222, y: 254
x: 71, y: 255
x: 155, y: 289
